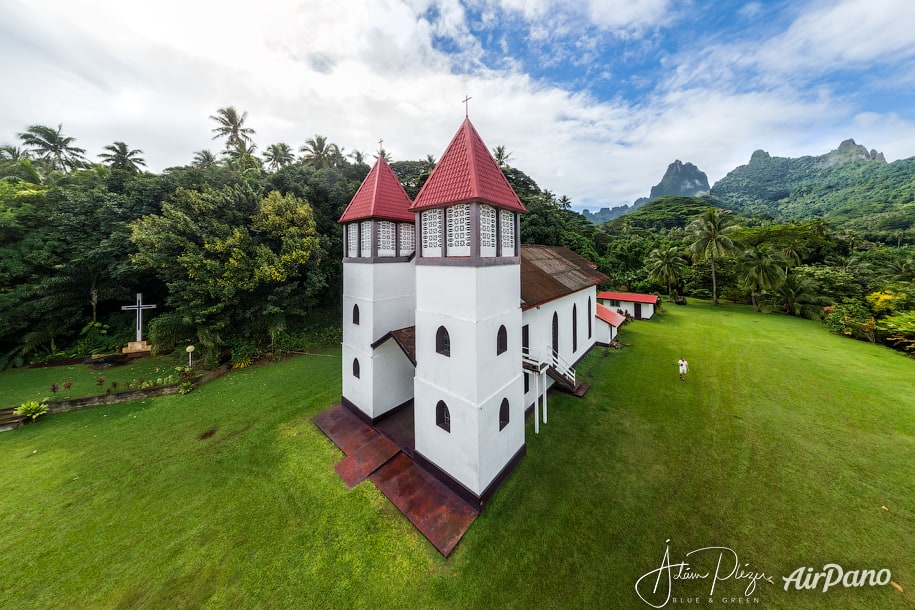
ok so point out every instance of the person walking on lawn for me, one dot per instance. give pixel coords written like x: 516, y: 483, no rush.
x: 684, y: 367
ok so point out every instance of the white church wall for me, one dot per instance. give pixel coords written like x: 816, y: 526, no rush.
x: 497, y: 446
x: 358, y: 390
x: 392, y: 378
x: 385, y: 293
x: 455, y: 451
x: 540, y: 331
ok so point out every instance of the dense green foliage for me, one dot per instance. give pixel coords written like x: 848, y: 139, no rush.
x: 848, y: 186
x: 783, y: 445
x: 240, y: 252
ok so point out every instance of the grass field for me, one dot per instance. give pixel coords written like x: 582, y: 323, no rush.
x: 784, y: 445
x: 19, y: 385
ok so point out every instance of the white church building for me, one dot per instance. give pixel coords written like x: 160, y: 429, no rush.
x: 446, y: 314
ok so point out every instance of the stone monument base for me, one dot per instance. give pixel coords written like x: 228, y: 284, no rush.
x: 136, y: 346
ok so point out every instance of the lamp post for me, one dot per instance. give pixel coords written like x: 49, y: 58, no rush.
x: 190, y: 356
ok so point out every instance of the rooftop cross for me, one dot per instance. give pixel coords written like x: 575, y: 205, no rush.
x: 467, y: 98
x: 139, y: 307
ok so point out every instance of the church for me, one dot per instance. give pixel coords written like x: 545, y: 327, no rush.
x: 454, y: 327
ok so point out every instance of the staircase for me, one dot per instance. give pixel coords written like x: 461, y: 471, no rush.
x: 9, y: 420
x: 557, y: 369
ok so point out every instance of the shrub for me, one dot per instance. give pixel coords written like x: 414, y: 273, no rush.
x: 32, y: 409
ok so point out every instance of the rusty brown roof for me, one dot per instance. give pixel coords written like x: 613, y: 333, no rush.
x: 551, y: 272
x: 405, y: 338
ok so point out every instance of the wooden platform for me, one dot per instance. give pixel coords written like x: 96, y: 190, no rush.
x: 437, y: 512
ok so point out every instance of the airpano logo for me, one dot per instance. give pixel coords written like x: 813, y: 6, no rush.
x: 833, y: 575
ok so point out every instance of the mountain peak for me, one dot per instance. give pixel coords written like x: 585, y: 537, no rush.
x: 681, y: 180
x: 848, y: 150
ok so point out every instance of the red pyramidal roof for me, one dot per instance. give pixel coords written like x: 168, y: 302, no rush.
x: 467, y: 172
x: 380, y: 196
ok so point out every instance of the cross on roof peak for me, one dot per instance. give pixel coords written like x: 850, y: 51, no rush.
x: 467, y: 99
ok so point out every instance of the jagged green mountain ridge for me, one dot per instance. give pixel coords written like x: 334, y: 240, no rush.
x: 849, y: 186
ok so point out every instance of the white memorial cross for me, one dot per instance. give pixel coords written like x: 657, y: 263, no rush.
x: 139, y: 307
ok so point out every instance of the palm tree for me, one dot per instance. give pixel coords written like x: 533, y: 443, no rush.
x: 12, y: 153
x: 799, y: 296
x: 121, y: 157
x: 278, y: 155
x: 666, y: 266
x: 762, y: 271
x: 319, y: 153
x: 52, y: 147
x: 383, y: 154
x: 231, y: 126
x: 501, y: 155
x: 241, y: 157
x: 712, y: 231
x: 203, y: 159
x: 357, y: 156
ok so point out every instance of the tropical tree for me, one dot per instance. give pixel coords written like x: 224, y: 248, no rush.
x: 53, y: 148
x: 799, y: 296
x: 241, y: 157
x: 231, y: 125
x: 278, y: 155
x: 204, y: 159
x: 761, y: 271
x: 711, y: 232
x: 12, y: 153
x: 319, y: 152
x: 501, y: 155
x: 383, y: 154
x: 120, y: 156
x: 666, y: 265
x: 357, y: 156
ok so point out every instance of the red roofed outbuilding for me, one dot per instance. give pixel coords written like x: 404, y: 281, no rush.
x: 608, y: 323
x: 638, y: 306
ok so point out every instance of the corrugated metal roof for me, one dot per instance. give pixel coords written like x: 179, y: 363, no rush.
x: 379, y: 196
x: 405, y: 338
x: 465, y: 173
x: 551, y: 272
x: 609, y: 316
x: 628, y: 296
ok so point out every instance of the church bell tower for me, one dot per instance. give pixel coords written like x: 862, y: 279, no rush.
x: 468, y: 389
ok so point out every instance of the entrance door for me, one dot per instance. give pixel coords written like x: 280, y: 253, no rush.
x: 638, y: 311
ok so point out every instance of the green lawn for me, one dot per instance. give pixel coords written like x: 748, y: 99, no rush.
x: 784, y: 444
x: 20, y: 385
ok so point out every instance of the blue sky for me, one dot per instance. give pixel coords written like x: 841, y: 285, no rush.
x: 594, y: 98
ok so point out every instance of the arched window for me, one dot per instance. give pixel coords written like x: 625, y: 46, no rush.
x: 501, y: 340
x: 356, y: 315
x: 356, y: 368
x: 442, y: 341
x: 590, y: 315
x: 555, y: 332
x: 574, y: 328
x: 442, y: 416
x: 503, y: 414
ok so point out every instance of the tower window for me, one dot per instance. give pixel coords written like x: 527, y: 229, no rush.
x: 356, y: 315
x: 507, y: 221
x: 501, y: 340
x: 356, y: 368
x: 442, y: 341
x: 442, y: 416
x: 503, y: 414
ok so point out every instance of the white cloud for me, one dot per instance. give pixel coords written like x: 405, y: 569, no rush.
x: 151, y: 74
